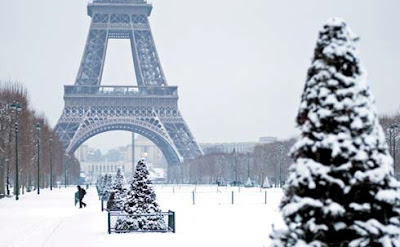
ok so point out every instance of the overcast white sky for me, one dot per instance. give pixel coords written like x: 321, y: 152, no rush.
x: 240, y: 65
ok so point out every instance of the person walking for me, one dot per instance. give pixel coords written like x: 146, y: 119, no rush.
x: 81, y: 193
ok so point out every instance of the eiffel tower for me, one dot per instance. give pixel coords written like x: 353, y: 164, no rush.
x: 149, y: 109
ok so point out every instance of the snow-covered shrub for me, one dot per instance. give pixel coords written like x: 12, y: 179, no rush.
x: 99, y: 185
x: 116, y: 200
x: 107, y: 189
x: 266, y: 183
x: 249, y: 183
x: 341, y: 190
x: 141, y: 199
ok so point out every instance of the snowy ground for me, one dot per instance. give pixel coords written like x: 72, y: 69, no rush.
x: 50, y: 219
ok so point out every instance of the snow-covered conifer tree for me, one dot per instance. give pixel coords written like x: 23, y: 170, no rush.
x: 118, y: 191
x: 341, y: 190
x: 266, y: 183
x: 141, y: 200
x: 107, y: 186
x: 249, y: 183
x: 101, y: 184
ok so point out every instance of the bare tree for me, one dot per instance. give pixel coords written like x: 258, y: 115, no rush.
x: 50, y: 155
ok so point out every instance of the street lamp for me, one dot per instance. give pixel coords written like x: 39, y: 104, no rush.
x: 248, y: 164
x: 51, y: 163
x: 392, y: 143
x: 38, y: 156
x: 8, y: 176
x: 280, y: 165
x: 17, y: 108
x: 66, y: 159
x: 236, y: 171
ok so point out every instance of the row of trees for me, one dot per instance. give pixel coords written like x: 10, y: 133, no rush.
x: 267, y: 160
x: 270, y: 160
x: 21, y: 131
x: 391, y: 128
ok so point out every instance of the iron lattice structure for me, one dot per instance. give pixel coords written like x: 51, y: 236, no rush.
x: 149, y: 109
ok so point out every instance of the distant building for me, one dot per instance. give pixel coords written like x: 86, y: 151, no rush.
x: 144, y: 148
x: 267, y: 139
x: 93, y: 170
x: 82, y: 153
x: 239, y: 147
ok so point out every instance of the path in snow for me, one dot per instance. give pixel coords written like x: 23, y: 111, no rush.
x: 50, y: 219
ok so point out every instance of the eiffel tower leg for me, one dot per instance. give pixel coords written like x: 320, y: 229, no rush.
x: 133, y: 152
x: 67, y: 127
x: 92, y: 64
x: 145, y: 58
x: 183, y: 138
x: 136, y: 64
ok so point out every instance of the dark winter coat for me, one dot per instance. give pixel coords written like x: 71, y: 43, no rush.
x: 81, y: 193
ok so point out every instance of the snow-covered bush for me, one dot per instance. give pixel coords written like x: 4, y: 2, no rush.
x: 107, y: 189
x: 249, y: 183
x: 141, y: 199
x: 116, y: 200
x: 341, y: 190
x: 266, y: 183
x: 101, y: 183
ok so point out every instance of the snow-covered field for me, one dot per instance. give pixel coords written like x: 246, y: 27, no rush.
x: 50, y: 219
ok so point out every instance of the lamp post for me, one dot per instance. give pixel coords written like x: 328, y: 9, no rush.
x: 66, y: 157
x: 51, y: 162
x: 248, y: 164
x: 8, y: 176
x: 280, y: 165
x: 392, y: 143
x: 235, y: 163
x: 38, y: 156
x: 16, y: 107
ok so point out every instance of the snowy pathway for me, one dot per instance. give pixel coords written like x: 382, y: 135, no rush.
x: 50, y: 219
